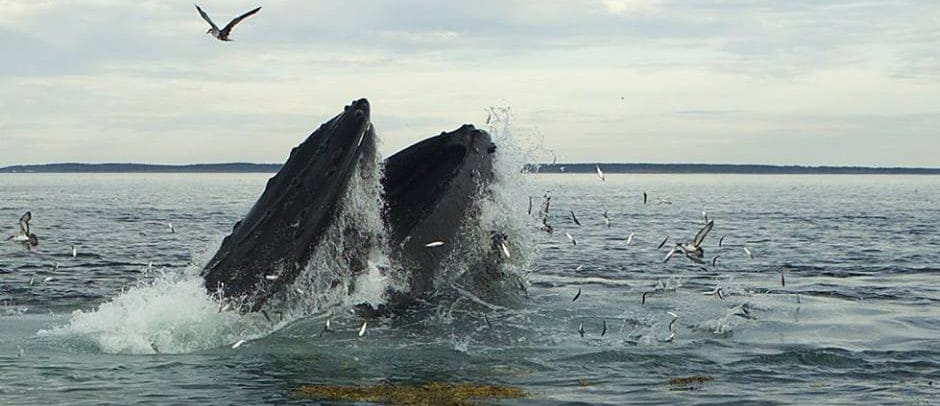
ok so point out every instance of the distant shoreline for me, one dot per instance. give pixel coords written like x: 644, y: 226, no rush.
x: 558, y: 168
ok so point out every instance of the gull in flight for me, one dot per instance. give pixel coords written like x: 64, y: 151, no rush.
x: 600, y: 173
x: 693, y: 250
x: 222, y: 34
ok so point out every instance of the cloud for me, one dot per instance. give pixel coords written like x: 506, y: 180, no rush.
x: 628, y: 7
x: 736, y: 81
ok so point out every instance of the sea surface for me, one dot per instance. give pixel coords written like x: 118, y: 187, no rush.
x: 855, y: 319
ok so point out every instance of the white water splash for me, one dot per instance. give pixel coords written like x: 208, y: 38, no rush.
x: 170, y: 314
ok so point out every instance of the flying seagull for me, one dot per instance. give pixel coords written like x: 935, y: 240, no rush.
x: 693, y: 250
x: 222, y: 35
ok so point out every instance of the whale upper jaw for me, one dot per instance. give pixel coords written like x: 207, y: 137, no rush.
x: 268, y: 249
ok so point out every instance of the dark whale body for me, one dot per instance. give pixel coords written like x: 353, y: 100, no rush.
x: 430, y: 191
x: 273, y: 243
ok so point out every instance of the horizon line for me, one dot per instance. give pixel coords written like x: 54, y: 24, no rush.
x: 535, y: 168
x: 541, y: 164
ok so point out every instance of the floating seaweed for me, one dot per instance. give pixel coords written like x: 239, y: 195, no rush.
x: 690, y: 383
x: 434, y: 393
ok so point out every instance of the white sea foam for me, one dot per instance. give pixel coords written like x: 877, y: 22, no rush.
x: 170, y: 314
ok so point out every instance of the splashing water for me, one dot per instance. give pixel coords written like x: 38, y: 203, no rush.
x: 170, y: 314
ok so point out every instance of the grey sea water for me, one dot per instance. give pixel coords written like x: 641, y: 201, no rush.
x: 125, y: 321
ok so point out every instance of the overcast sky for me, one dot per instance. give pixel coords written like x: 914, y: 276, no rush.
x: 736, y: 81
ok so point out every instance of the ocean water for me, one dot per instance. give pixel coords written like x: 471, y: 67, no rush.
x: 857, y: 320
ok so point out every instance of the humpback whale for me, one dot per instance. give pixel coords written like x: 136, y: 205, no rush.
x: 431, y: 192
x: 272, y: 245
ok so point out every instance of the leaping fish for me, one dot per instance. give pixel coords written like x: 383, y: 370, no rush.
x: 570, y: 238
x: 362, y: 330
x: 664, y: 242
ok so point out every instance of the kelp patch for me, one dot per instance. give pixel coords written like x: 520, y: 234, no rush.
x: 690, y: 383
x: 434, y: 393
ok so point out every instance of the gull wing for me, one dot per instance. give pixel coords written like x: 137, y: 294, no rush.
x: 206, y: 17
x: 24, y: 223
x: 228, y: 27
x: 700, y: 235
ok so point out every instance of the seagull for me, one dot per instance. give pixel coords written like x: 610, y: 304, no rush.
x: 783, y: 282
x: 74, y: 252
x: 172, y: 229
x: 644, y: 198
x: 604, y: 331
x: 434, y: 244
x: 238, y: 344
x: 600, y: 173
x: 664, y: 201
x: 715, y: 261
x: 749, y: 253
x: 25, y: 236
x: 575, y: 218
x: 581, y: 329
x: 530, y: 205
x: 576, y: 296
x: 693, y: 250
x: 222, y: 35
x: 722, y: 239
x: 487, y: 320
x: 705, y: 216
x: 606, y: 219
x: 630, y: 238
x: 643, y: 298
